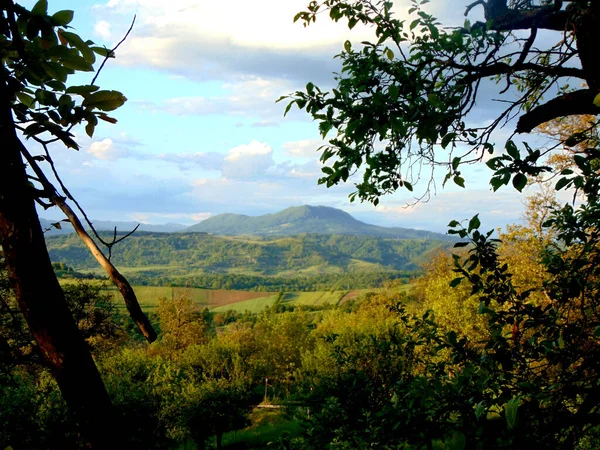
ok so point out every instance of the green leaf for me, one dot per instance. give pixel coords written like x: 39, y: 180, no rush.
x: 519, y: 182
x: 458, y: 441
x: 103, y: 51
x: 510, y: 410
x: 408, y: 186
x: 597, y: 100
x: 460, y: 181
x: 63, y: 18
x: 75, y: 41
x: 91, y: 125
x: 40, y: 8
x: 26, y: 99
x: 390, y: 54
x: 77, y: 63
x: 474, y: 223
x: 455, y: 163
x: 448, y: 137
x: 348, y: 46
x: 82, y: 90
x: 456, y: 282
x: 564, y: 181
x: 105, y: 100
x: 479, y: 410
x: 512, y: 150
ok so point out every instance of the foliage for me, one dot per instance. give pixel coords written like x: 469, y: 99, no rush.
x: 402, y: 100
x: 181, y: 322
x: 180, y: 257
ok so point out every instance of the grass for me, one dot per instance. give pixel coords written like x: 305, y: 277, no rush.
x: 205, y: 298
x: 221, y: 300
x: 314, y: 298
x: 267, y: 426
x: 254, y: 306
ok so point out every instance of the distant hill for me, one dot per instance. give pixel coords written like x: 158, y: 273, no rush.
x: 305, y: 219
x: 107, y: 225
x: 185, y: 254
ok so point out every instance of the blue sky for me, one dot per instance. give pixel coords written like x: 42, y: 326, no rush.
x: 201, y: 133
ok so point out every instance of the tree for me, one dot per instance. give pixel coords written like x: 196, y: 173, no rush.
x: 180, y: 319
x: 402, y: 102
x: 38, y: 53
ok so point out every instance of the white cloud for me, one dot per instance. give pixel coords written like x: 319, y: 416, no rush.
x: 103, y: 149
x: 248, y: 161
x: 250, y: 97
x: 189, y: 161
x: 102, y: 29
x: 159, y: 218
x: 306, y: 148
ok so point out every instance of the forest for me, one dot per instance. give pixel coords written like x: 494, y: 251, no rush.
x: 496, y: 344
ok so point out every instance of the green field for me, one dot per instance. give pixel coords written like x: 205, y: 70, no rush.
x: 240, y: 301
x: 321, y: 298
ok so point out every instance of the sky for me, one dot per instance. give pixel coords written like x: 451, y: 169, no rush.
x: 201, y: 133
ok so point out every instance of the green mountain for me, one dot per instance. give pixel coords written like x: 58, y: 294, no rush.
x: 186, y: 254
x: 305, y: 219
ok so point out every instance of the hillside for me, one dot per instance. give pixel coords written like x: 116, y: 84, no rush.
x: 305, y: 219
x: 183, y: 254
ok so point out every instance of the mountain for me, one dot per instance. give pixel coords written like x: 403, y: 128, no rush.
x: 107, y: 225
x: 305, y: 219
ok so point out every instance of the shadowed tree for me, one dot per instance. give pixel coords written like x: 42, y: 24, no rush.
x: 37, y: 54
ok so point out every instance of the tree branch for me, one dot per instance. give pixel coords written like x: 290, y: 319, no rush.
x: 133, y: 306
x: 545, y: 17
x: 578, y: 102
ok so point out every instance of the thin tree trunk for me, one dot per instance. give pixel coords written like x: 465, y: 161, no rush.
x: 40, y: 296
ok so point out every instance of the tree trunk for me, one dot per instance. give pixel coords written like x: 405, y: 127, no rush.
x: 40, y: 296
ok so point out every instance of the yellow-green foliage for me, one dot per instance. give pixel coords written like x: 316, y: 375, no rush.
x: 354, y: 333
x: 454, y: 309
x: 180, y: 320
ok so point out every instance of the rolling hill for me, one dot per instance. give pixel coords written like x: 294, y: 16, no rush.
x: 305, y: 219
x: 184, y: 254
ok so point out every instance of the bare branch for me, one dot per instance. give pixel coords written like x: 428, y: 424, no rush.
x: 110, y: 53
x: 133, y: 306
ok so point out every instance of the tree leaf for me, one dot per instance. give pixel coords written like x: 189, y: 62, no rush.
x: 512, y: 150
x: 510, y: 411
x: 105, y: 100
x: 455, y: 282
x: 82, y: 89
x: 519, y: 181
x: 63, y: 18
x: 474, y: 223
x: 40, y: 8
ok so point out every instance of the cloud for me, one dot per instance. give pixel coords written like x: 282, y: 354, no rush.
x: 248, y: 161
x: 103, y: 149
x: 250, y: 97
x: 190, y: 161
x: 496, y: 209
x: 102, y: 28
x: 306, y: 148
x: 160, y: 218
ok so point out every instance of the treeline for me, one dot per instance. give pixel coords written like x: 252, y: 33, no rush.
x: 182, y: 253
x: 358, y: 280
